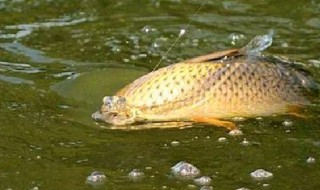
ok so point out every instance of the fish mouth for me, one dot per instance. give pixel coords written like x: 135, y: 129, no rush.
x: 111, y: 118
x: 97, y: 116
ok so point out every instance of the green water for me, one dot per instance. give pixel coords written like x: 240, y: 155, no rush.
x: 59, y: 58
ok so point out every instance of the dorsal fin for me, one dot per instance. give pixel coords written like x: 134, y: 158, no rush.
x: 253, y: 48
x: 215, y: 56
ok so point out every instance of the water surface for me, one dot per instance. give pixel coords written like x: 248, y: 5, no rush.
x: 59, y: 58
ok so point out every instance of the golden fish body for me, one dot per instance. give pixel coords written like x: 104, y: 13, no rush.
x: 209, y: 88
x: 214, y: 90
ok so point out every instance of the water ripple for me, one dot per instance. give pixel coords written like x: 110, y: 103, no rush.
x: 15, y: 80
x: 24, y: 30
x: 18, y: 67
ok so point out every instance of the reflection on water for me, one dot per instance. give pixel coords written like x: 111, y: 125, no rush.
x: 59, y: 58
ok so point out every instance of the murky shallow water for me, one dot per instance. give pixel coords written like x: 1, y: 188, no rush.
x: 59, y: 58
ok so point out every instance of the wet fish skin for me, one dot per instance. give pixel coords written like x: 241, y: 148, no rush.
x: 210, y: 88
x: 219, y: 90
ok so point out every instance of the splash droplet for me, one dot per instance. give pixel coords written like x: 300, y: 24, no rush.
x: 259, y: 43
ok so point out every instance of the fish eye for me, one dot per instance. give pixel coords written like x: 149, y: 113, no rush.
x: 107, y: 100
x: 113, y: 114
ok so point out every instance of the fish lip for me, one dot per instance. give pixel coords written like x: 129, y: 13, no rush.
x: 97, y: 116
x: 111, y: 118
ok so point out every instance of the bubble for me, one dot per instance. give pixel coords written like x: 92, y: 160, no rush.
x: 96, y: 178
x: 175, y: 143
x: 235, y: 132
x: 203, y: 181
x: 206, y: 188
x: 222, y: 139
x: 311, y: 160
x: 261, y: 174
x: 236, y: 38
x: 238, y: 118
x: 242, y: 188
x: 148, y: 168
x: 147, y: 29
x: 182, y: 32
x: 133, y: 57
x: 155, y: 44
x: 115, y: 49
x: 142, y: 55
x: 284, y: 45
x: 63, y: 106
x: 259, y: 118
x: 136, y: 174
x: 195, y: 42
x: 185, y: 170
x: 191, y: 186
x: 287, y: 123
x: 245, y: 142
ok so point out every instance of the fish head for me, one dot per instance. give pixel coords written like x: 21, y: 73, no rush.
x: 114, y: 110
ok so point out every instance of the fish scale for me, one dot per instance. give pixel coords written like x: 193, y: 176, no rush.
x: 170, y: 85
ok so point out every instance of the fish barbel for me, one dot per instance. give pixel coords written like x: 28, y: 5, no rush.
x: 208, y: 89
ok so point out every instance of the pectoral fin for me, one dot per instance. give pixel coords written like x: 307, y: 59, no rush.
x: 295, y: 111
x: 214, y: 121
